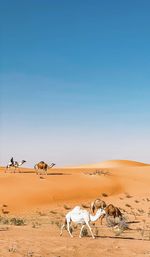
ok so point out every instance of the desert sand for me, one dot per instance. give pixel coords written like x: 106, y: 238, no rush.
x: 41, y: 203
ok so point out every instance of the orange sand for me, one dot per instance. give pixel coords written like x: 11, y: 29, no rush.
x: 25, y: 192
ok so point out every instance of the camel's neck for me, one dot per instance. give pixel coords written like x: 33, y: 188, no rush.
x: 50, y: 166
x: 95, y: 217
x: 20, y: 163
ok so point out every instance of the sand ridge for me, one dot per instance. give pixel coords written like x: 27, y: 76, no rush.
x: 114, y: 164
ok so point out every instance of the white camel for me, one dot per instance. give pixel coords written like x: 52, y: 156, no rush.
x: 14, y: 164
x: 81, y: 216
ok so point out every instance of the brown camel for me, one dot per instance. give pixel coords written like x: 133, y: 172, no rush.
x: 42, y: 166
x: 110, y: 209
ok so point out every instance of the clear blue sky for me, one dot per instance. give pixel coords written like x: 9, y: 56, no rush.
x: 75, y: 81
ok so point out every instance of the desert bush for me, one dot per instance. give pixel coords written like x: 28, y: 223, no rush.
x: 41, y: 213
x: 35, y: 224
x: 17, y: 221
x: 66, y: 207
x: 4, y: 220
x: 12, y: 248
x: 30, y: 253
x: 141, y: 211
x: 128, y: 196
x: 53, y: 212
x: 128, y: 205
x: 57, y: 223
x: 84, y: 232
x: 98, y: 172
x: 104, y: 194
x: 102, y: 172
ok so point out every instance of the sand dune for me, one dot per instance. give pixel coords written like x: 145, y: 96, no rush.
x: 24, y: 191
x: 114, y: 164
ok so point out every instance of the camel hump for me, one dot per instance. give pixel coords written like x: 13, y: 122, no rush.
x: 111, y: 206
x: 118, y: 212
x: 76, y: 209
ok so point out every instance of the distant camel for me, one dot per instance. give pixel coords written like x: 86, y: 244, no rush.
x: 110, y: 209
x: 42, y: 166
x: 81, y: 216
x: 14, y: 164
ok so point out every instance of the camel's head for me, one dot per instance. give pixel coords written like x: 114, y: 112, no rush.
x: 100, y: 212
x: 23, y: 161
x: 53, y: 164
x: 97, y: 204
x: 103, y: 204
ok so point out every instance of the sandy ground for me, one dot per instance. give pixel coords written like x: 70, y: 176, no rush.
x: 41, y: 202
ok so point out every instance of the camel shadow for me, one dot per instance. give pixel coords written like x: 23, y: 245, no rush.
x: 49, y: 174
x: 58, y: 174
x: 43, y: 176
x: 133, y: 222
x: 121, y: 237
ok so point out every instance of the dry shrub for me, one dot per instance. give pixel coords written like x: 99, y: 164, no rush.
x: 4, y: 220
x: 128, y: 205
x: 102, y: 172
x: 41, y: 213
x: 66, y: 207
x: 17, y: 221
x: 104, y: 194
x: 128, y: 196
x: 35, y: 224
x: 57, y: 223
x: 84, y: 232
x: 98, y: 172
x: 12, y: 221
x: 53, y: 212
x: 141, y: 211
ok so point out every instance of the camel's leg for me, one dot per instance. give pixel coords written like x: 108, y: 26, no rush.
x: 68, y: 228
x: 61, y: 231
x: 7, y: 168
x: 101, y: 219
x: 81, y: 231
x: 90, y: 230
x: 16, y: 169
x: 10, y: 169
